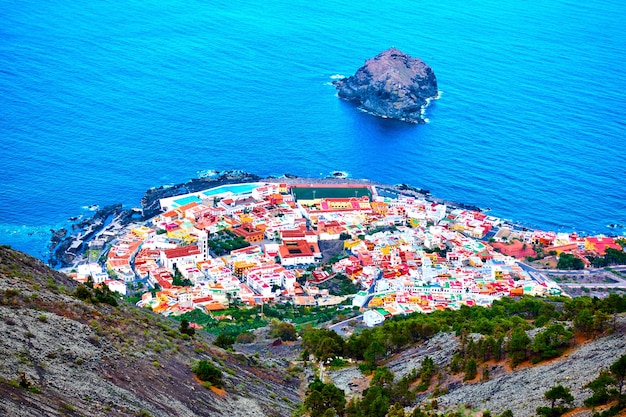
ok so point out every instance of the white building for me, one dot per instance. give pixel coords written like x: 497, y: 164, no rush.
x: 373, y: 318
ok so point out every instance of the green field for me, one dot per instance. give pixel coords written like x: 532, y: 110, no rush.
x: 322, y: 192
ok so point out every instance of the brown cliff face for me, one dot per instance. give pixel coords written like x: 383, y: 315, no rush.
x: 392, y: 84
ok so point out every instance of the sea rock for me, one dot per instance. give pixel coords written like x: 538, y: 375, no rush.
x: 393, y: 85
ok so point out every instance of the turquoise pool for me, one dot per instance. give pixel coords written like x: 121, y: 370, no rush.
x: 186, y: 200
x: 234, y: 188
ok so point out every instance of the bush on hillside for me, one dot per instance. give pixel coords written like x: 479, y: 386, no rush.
x: 206, y: 372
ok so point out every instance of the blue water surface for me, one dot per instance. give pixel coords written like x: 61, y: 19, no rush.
x: 101, y: 100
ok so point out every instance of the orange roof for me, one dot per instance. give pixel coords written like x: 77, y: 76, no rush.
x: 182, y: 251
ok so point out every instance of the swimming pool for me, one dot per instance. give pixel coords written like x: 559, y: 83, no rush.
x: 187, y: 200
x: 232, y: 188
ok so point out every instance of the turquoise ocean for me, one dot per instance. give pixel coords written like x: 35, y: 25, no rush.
x: 101, y: 100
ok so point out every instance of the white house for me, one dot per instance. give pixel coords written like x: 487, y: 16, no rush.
x: 373, y: 318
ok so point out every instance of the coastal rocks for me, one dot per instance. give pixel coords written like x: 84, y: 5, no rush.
x: 66, y: 248
x: 391, y: 85
x: 150, y: 201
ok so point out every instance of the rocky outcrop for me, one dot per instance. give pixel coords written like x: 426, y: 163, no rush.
x: 392, y: 84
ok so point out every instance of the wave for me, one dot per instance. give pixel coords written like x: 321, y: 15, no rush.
x: 339, y: 174
x: 206, y: 173
x: 337, y: 77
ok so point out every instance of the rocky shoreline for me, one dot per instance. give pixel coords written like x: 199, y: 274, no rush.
x: 67, y: 246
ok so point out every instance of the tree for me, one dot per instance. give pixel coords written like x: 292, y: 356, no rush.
x: 470, y: 369
x: 549, y: 343
x: 82, y: 292
x: 583, y: 322
x: 323, y: 343
x: 383, y: 377
x: 600, y: 388
x: 103, y: 294
x: 322, y: 397
x: 396, y: 410
x: 558, y: 397
x: 374, y: 403
x: 286, y: 331
x: 518, y: 346
x: 245, y: 337
x: 618, y: 369
x: 185, y: 329
x: 427, y: 370
x: 569, y: 261
x: 224, y: 340
x: 374, y: 352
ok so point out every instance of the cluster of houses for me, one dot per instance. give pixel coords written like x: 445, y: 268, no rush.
x: 405, y: 253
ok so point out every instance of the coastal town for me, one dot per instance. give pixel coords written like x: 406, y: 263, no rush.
x: 279, y: 242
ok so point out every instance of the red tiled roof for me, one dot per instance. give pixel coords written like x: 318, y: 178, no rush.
x: 182, y: 251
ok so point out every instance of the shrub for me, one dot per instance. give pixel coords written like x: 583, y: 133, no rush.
x: 206, y: 372
x: 224, y: 340
x: 82, y: 292
x: 245, y: 337
x: 185, y: 329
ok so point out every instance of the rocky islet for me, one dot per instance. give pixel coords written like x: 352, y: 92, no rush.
x: 392, y: 85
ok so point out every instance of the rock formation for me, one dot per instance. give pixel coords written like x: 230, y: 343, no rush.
x: 392, y: 84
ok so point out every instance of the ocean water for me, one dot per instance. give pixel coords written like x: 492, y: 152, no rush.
x: 101, y: 100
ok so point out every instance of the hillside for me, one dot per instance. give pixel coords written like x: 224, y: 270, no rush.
x: 67, y: 357
x: 520, y: 390
x: 64, y: 356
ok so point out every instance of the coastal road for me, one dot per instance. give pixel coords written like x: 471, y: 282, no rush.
x: 536, y: 274
x: 596, y: 285
x: 617, y: 268
x: 615, y: 272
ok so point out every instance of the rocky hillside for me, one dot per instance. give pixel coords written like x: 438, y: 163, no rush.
x: 392, y: 84
x: 65, y: 357
x: 520, y: 390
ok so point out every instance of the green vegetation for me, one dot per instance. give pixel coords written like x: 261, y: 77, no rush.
x: 611, y: 257
x: 185, y: 329
x: 339, y: 285
x: 426, y: 373
x: 101, y: 294
x: 608, y: 387
x: 206, y: 372
x: 558, y: 397
x: 504, y: 336
x: 470, y: 369
x: 224, y: 340
x: 245, y: 337
x: 551, y: 342
x: 383, y: 396
x: 285, y: 331
x: 240, y: 320
x: 225, y: 241
x: 179, y: 281
x: 324, y: 400
x: 569, y: 261
x: 508, y: 319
